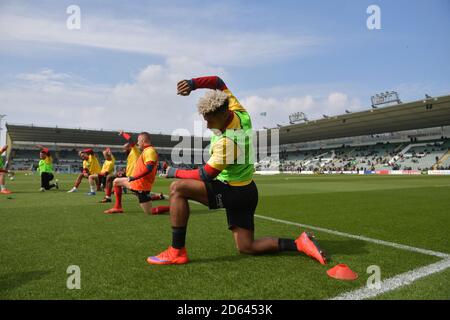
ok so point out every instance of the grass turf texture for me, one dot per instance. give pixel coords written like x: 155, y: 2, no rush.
x: 43, y: 233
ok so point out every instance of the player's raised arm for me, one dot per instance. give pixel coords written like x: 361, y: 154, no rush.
x: 127, y: 137
x: 184, y: 88
x: 42, y: 148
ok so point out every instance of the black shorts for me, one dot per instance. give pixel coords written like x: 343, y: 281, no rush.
x: 240, y: 202
x: 102, y: 179
x: 143, y: 196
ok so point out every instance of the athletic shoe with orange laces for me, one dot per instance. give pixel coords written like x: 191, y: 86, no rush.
x: 170, y: 256
x: 5, y: 191
x: 307, y: 244
x: 113, y: 211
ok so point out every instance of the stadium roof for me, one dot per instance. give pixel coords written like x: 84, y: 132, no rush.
x: 427, y: 113
x: 55, y: 135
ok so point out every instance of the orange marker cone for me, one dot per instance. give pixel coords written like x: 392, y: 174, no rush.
x: 342, y: 272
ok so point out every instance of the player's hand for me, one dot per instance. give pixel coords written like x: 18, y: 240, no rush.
x: 171, y: 172
x: 183, y: 88
x: 120, y: 132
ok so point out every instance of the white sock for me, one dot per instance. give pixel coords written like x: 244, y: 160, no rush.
x: 92, y: 189
x: 2, y: 187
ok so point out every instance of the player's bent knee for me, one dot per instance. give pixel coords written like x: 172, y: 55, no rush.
x: 245, y: 249
x: 175, y: 188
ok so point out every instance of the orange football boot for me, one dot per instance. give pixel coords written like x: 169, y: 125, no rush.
x: 307, y: 244
x: 5, y: 191
x: 113, y: 211
x: 170, y: 256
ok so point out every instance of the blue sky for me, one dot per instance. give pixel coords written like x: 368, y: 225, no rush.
x: 277, y: 57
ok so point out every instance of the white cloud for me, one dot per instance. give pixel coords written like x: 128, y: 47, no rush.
x: 337, y: 99
x: 44, y: 75
x: 147, y: 103
x: 278, y: 109
x: 211, y: 44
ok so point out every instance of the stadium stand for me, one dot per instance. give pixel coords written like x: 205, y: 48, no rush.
x: 382, y: 156
x: 65, y: 143
x: 408, y: 136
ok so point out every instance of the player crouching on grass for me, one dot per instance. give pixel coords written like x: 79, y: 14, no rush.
x: 3, y: 172
x: 90, y: 166
x: 107, y: 170
x: 132, y: 152
x: 226, y: 181
x: 141, y: 181
x: 45, y: 168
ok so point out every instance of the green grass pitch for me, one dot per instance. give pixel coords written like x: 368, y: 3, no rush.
x: 44, y: 233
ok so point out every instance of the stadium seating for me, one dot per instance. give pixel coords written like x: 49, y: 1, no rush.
x: 391, y: 151
x: 419, y: 156
x: 65, y: 144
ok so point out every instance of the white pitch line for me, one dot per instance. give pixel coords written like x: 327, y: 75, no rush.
x: 389, y: 284
x: 395, y: 282
x: 362, y: 238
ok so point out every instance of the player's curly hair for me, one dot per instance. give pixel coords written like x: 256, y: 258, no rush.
x: 214, y: 101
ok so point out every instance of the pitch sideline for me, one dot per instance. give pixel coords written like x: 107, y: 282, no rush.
x: 388, y: 284
x: 362, y: 238
x: 395, y: 282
